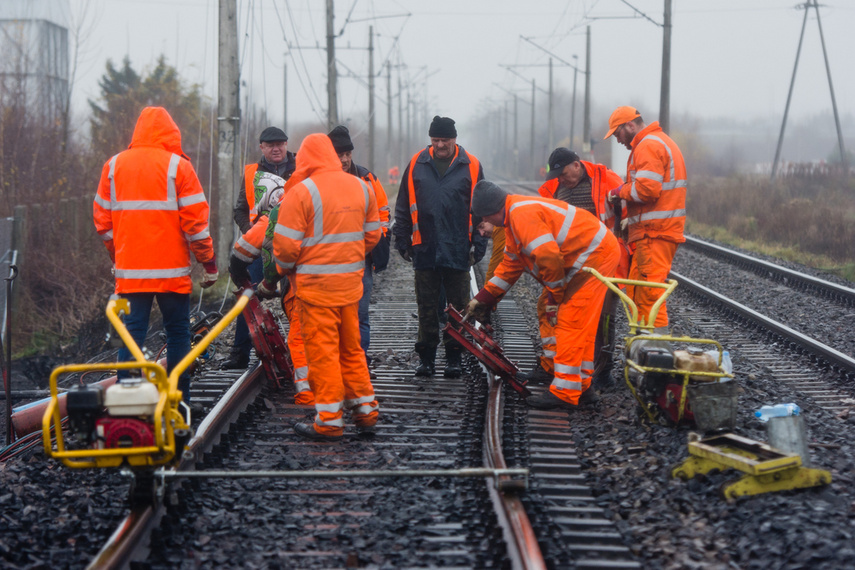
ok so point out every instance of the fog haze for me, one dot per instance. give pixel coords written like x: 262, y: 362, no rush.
x: 732, y: 60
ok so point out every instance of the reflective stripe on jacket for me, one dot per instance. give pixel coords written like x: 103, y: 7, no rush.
x: 655, y: 188
x: 150, y: 210
x: 552, y: 241
x: 379, y: 195
x: 327, y: 223
x: 249, y: 189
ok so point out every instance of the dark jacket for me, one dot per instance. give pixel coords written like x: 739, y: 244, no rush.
x: 444, y: 205
x: 378, y: 259
x: 241, y: 209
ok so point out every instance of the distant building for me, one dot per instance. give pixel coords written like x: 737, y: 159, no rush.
x: 34, y: 67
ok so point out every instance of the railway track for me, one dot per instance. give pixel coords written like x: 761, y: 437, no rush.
x: 406, y: 494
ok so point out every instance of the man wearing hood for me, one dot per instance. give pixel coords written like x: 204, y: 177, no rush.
x: 326, y: 224
x: 151, y: 212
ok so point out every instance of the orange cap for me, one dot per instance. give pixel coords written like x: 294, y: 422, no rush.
x: 620, y: 116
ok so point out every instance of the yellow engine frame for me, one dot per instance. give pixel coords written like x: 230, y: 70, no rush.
x: 167, y: 417
x: 636, y: 325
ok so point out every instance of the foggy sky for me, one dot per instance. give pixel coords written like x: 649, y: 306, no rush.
x: 730, y: 58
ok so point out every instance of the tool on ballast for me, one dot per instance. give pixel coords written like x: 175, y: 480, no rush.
x: 270, y: 345
x: 138, y: 422
x: 766, y: 468
x: 688, y: 385
x: 484, y: 348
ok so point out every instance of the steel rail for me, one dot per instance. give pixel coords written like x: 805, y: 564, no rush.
x: 834, y: 357
x: 826, y: 287
x: 129, y: 542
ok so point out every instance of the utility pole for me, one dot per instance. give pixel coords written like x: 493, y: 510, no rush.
x: 532, y: 124
x: 388, y: 115
x: 844, y: 162
x: 228, y: 126
x: 586, y: 127
x: 665, y: 87
x: 573, y: 105
x: 285, y: 99
x: 516, y: 140
x: 371, y: 98
x: 332, y: 97
x: 400, y: 122
x: 550, y: 127
x: 789, y: 98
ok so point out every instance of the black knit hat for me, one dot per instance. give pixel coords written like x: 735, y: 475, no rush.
x: 340, y: 138
x: 272, y: 134
x: 559, y: 158
x: 487, y: 198
x: 442, y: 128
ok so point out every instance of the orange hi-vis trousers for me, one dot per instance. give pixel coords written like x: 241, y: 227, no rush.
x: 303, y: 392
x: 576, y: 334
x: 651, y: 262
x: 338, y: 371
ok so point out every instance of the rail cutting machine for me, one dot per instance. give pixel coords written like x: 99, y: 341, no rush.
x: 673, y: 385
x: 140, y: 422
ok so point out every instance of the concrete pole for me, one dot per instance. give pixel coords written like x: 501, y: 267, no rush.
x: 400, y: 123
x: 550, y: 126
x: 573, y: 104
x: 228, y: 124
x: 388, y: 116
x: 789, y: 98
x: 285, y: 99
x: 665, y: 86
x: 516, y: 138
x: 586, y: 127
x: 332, y: 97
x: 371, y: 98
x: 844, y: 162
x: 532, y: 126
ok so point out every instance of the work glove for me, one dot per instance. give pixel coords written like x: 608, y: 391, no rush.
x: 623, y: 224
x: 551, y: 310
x: 477, y: 310
x: 211, y: 274
x: 614, y: 194
x: 266, y: 290
x: 407, y: 254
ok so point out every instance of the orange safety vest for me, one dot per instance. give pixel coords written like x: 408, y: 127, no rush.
x: 150, y: 210
x: 249, y: 188
x: 474, y: 167
x: 552, y: 241
x: 655, y: 188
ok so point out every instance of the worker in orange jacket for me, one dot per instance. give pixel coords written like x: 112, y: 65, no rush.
x: 255, y: 245
x: 552, y: 241
x: 151, y: 212
x: 378, y: 259
x: 327, y: 223
x: 585, y: 185
x: 655, y: 194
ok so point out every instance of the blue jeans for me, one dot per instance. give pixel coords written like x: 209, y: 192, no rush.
x: 175, y: 310
x: 243, y: 342
x: 364, y: 325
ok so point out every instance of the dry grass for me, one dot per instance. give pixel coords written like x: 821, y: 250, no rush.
x: 808, y: 221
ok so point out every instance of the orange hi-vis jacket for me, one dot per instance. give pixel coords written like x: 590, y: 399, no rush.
x: 474, y: 170
x: 249, y: 188
x: 602, y: 181
x: 655, y: 188
x: 552, y: 241
x: 150, y: 210
x: 379, y: 195
x: 328, y: 222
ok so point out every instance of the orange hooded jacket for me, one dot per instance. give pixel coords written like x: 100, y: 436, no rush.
x: 328, y: 222
x: 150, y: 210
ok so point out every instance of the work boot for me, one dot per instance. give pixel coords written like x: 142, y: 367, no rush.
x: 235, y: 361
x: 588, y: 397
x: 535, y: 375
x: 427, y: 367
x: 549, y: 401
x: 307, y: 431
x: 453, y: 358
